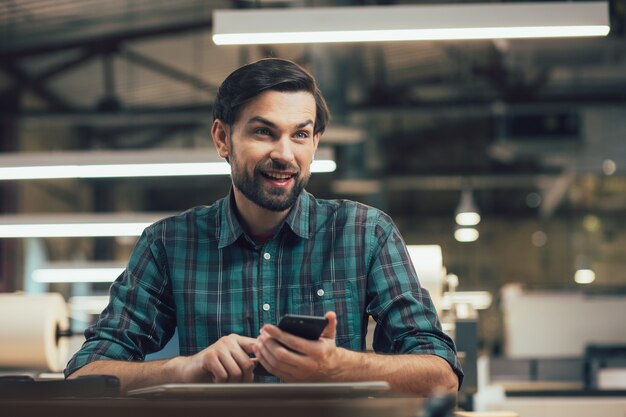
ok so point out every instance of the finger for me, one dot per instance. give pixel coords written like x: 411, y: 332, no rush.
x: 330, y: 330
x: 234, y: 372
x: 246, y: 343
x: 295, y: 343
x: 243, y: 360
x: 279, y: 360
x: 217, y: 371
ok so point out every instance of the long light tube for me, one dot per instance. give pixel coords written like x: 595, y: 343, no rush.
x: 403, y: 23
x: 77, y: 225
x: 84, y: 273
x: 72, y: 229
x: 97, y: 164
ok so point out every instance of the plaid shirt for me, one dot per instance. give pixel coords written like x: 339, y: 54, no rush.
x: 200, y: 272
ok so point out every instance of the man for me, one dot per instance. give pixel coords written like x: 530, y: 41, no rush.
x: 224, y: 274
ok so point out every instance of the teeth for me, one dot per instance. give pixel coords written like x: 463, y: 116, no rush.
x: 280, y: 176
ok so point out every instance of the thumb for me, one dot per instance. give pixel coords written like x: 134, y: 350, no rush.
x: 331, y: 328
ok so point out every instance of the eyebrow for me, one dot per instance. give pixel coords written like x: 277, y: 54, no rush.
x: 273, y: 125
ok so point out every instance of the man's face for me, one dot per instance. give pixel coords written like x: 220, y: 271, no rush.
x: 271, y: 147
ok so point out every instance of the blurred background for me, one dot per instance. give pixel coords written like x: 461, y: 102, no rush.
x: 528, y: 133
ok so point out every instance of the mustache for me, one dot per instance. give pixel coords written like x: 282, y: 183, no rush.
x: 272, y: 165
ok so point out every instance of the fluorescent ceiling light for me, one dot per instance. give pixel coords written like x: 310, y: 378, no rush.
x: 96, y: 272
x: 111, y: 164
x: 77, y: 225
x: 401, y: 23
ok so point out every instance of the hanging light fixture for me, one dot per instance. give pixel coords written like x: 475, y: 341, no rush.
x: 466, y: 234
x: 584, y: 276
x: 467, y: 211
x: 584, y: 273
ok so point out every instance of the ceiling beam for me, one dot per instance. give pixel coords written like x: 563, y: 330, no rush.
x: 26, y: 81
x: 166, y: 70
x: 50, y: 46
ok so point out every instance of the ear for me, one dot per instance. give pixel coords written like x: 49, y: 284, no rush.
x: 220, y: 132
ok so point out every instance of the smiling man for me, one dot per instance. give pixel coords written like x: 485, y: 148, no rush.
x: 224, y: 274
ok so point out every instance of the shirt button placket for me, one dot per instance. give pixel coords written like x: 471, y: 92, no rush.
x: 267, y: 295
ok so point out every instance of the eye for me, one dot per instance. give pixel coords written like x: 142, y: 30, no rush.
x: 302, y: 134
x: 262, y: 131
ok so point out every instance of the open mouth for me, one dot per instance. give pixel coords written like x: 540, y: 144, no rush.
x: 280, y: 177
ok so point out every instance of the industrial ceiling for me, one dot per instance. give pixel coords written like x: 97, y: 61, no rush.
x: 537, y: 128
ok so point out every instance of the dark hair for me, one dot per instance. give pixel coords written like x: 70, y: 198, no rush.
x: 247, y: 82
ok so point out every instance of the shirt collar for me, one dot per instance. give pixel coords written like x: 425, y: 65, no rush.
x: 230, y: 228
x: 298, y: 217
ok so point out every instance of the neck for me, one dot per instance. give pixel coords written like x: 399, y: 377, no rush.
x: 256, y: 220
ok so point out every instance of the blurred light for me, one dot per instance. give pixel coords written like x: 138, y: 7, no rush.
x: 399, y: 23
x: 467, y: 219
x: 479, y: 300
x: 467, y: 212
x: 117, y: 164
x: 609, y: 167
x: 77, y: 224
x: 452, y: 280
x: 466, y: 234
x: 321, y: 166
x: 88, y: 304
x: 533, y: 200
x: 93, y: 274
x: 584, y: 276
x: 539, y: 239
x: 72, y: 229
x: 591, y: 223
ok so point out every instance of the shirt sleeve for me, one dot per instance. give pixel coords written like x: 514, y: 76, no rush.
x: 140, y: 317
x: 406, y: 319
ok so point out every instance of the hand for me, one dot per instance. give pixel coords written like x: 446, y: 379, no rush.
x: 226, y: 360
x: 308, y: 360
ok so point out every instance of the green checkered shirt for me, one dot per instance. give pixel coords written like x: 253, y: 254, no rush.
x: 200, y: 272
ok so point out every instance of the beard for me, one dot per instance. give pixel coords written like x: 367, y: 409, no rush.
x: 273, y: 198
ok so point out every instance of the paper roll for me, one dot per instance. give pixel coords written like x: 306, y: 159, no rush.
x: 428, y: 263
x: 28, y: 331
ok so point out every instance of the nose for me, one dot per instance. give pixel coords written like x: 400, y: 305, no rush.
x: 282, y: 151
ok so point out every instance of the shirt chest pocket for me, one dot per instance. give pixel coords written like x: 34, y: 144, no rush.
x: 317, y: 299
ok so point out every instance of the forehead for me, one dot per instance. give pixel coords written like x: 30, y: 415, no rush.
x: 286, y: 106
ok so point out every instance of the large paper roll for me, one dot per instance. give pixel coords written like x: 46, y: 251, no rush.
x: 428, y: 263
x: 28, y: 332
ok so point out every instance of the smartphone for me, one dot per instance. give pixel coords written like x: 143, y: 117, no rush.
x: 308, y: 327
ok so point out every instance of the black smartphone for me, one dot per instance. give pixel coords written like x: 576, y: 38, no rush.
x: 308, y: 327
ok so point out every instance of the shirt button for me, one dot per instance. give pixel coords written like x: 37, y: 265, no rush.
x: 266, y: 307
x: 267, y: 256
x: 320, y: 292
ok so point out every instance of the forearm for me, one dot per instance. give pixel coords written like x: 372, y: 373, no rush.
x: 133, y: 375
x: 418, y: 374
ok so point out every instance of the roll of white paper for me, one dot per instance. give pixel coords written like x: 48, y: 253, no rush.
x: 428, y: 263
x: 28, y: 331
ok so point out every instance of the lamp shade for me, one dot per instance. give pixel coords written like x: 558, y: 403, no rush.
x: 467, y: 212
